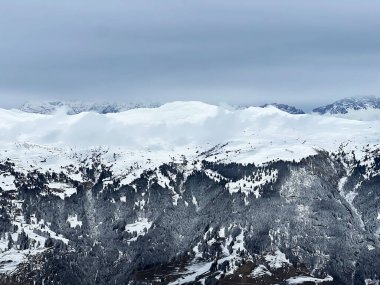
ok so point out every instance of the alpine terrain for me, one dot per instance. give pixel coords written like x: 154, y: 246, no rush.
x: 190, y: 193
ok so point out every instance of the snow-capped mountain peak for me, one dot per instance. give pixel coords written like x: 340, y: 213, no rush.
x: 76, y: 107
x: 346, y: 105
x: 286, y: 108
x: 252, y: 185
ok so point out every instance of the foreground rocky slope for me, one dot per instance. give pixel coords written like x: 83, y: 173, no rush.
x: 317, y: 220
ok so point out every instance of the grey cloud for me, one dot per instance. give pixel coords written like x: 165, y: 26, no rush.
x: 294, y: 52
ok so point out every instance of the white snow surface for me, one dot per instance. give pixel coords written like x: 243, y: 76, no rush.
x: 196, y: 269
x: 144, y: 138
x: 369, y: 281
x: 61, y: 189
x: 277, y: 260
x: 7, y: 182
x: 259, y: 271
x: 138, y: 227
x: 369, y: 114
x: 10, y: 259
x: 193, y: 271
x: 303, y: 279
x: 35, y: 230
x: 73, y: 221
x: 249, y: 185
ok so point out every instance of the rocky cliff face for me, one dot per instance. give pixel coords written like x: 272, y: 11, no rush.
x: 316, y: 221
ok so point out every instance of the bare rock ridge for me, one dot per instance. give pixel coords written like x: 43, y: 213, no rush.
x: 342, y: 106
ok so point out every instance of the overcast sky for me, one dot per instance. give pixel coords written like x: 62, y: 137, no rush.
x: 299, y: 52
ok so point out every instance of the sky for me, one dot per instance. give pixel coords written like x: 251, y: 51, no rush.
x: 304, y: 53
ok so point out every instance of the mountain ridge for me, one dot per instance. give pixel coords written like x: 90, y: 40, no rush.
x: 344, y: 105
x: 339, y: 107
x: 189, y: 193
x: 286, y: 108
x: 77, y: 107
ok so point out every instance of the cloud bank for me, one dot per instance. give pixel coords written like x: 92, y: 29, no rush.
x: 291, y: 51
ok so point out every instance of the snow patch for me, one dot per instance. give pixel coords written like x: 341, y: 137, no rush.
x: 73, y: 221
x: 370, y: 247
x: 303, y: 279
x: 7, y: 182
x: 193, y: 272
x: 10, y: 259
x: 140, y: 227
x: 278, y: 260
x: 222, y: 232
x: 341, y: 183
x: 259, y: 271
x: 369, y: 281
x: 252, y: 183
x: 350, y: 197
x: 196, y: 269
x: 62, y: 190
x: 195, y: 202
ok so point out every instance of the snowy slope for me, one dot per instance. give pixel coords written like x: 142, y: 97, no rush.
x: 369, y: 114
x: 141, y: 139
x: 182, y: 128
x: 149, y: 168
x: 360, y: 108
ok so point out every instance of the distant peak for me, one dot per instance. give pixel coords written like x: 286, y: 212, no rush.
x: 286, y: 108
x: 76, y: 107
x: 343, y: 106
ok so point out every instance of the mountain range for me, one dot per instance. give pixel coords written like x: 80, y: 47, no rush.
x: 189, y: 193
x: 76, y: 107
x: 347, y: 107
